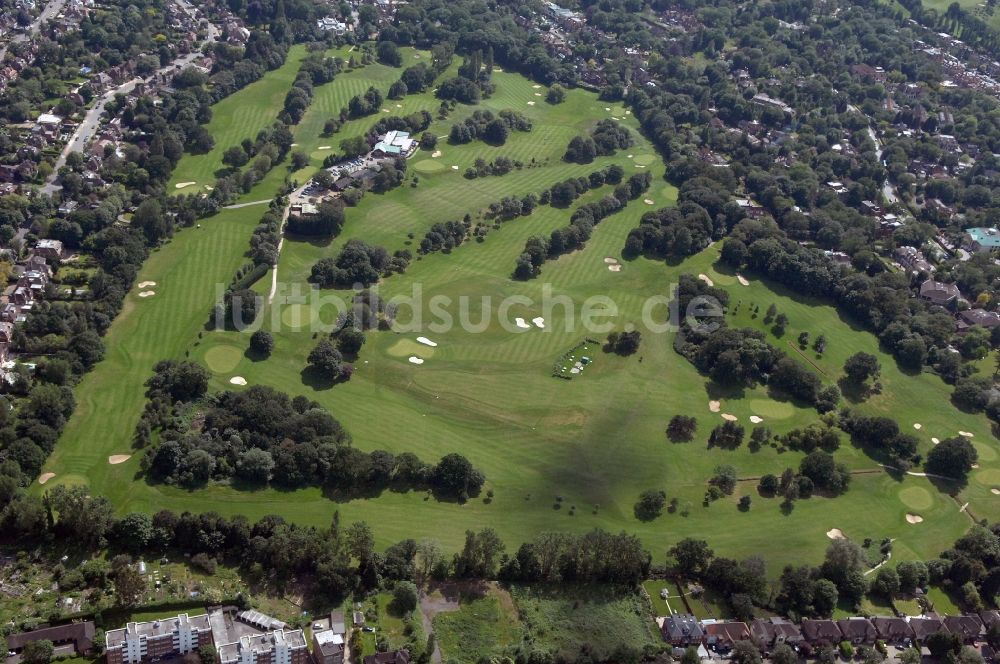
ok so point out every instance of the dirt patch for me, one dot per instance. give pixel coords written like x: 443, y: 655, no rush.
x: 116, y: 459
x: 45, y: 477
x: 835, y: 533
x: 743, y: 280
x: 706, y: 279
x: 714, y: 406
x: 729, y: 418
x: 914, y: 518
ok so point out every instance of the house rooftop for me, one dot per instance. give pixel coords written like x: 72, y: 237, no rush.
x: 987, y: 237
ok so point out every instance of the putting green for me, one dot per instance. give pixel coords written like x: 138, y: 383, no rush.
x: 644, y: 159
x: 774, y: 409
x: 985, y: 452
x: 223, y: 359
x: 298, y: 315
x: 428, y: 166
x: 916, y: 497
x: 407, y: 347
x: 988, y: 477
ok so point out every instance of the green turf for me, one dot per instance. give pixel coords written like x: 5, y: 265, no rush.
x: 481, y: 628
x: 596, y: 442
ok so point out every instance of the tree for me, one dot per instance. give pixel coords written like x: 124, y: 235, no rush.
x: 261, y: 343
x: 951, y: 458
x: 745, y: 652
x: 255, y: 465
x: 134, y: 531
x: 149, y: 218
x: 744, y: 504
x: 37, y: 652
x: 783, y: 654
x: 886, y: 582
x: 682, y: 428
x: 691, y: 556
x: 326, y: 359
x: 650, y: 505
x: 350, y: 340
x: 725, y: 478
x: 236, y: 157
x: 127, y: 581
x: 404, y: 596
x: 300, y: 159
x: 388, y: 54
x: 768, y: 484
x: 862, y: 366
x: 912, y: 575
x: 455, y: 476
x: 556, y: 94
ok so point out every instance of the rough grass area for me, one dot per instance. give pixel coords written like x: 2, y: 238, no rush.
x: 483, y: 627
x: 602, y: 620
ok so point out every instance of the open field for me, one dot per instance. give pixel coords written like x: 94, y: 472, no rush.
x: 596, y: 442
x: 483, y: 626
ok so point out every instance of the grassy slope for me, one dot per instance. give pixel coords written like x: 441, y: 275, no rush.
x: 597, y: 441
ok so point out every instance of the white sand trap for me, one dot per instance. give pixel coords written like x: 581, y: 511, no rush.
x: 146, y: 284
x: 237, y: 380
x: 386, y: 110
x: 427, y: 342
x: 610, y: 261
x: 454, y: 168
x: 914, y: 518
x: 435, y: 154
x: 917, y: 426
x: 521, y: 323
x: 209, y: 187
x: 116, y: 459
x: 729, y: 417
x: 498, y: 70
x: 574, y: 370
x: 539, y: 322
x: 538, y: 94
x: 531, y: 103
x: 607, y: 108
x: 706, y: 279
x: 995, y: 492
x: 630, y: 156
x: 835, y: 533
x: 615, y: 117
x: 181, y: 185
x: 628, y: 112
x: 323, y: 147
x: 965, y: 434
x: 615, y: 268
x: 935, y: 441
x: 147, y: 293
x: 45, y: 477
x: 640, y: 165
x: 416, y: 360
x: 756, y: 419
x: 295, y: 145
x: 536, y: 86
x: 714, y: 406
x: 743, y: 280
x: 399, y: 106
x: 975, y: 466
x: 648, y: 201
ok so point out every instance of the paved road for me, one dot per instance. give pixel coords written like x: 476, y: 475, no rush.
x: 48, y: 13
x: 91, y: 123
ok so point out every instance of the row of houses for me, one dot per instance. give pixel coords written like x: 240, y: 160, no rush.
x: 684, y: 630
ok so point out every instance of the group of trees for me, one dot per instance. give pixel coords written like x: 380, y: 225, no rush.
x: 358, y: 263
x: 493, y: 129
x: 499, y: 166
x: 605, y: 139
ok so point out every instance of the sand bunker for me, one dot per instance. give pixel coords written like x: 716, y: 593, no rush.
x: 454, y: 168
x: 615, y: 268
x: 146, y: 284
x: 116, y: 459
x: 630, y: 156
x: 521, y: 323
x: 995, y: 492
x: 237, y: 380
x: 435, y: 154
x: 706, y: 279
x: 147, y: 293
x: 914, y: 518
x: 45, y: 477
x: 756, y: 420
x: 729, y: 418
x: 399, y: 106
x: 917, y: 425
x: 935, y: 441
x: 531, y: 103
x: 975, y: 466
x: 607, y: 108
x: 415, y: 360
x: 965, y: 433
x: 209, y: 187
x: 386, y: 110
x: 536, y: 86
x: 648, y: 201
x: 538, y: 94
x: 427, y: 342
x: 539, y: 322
x: 323, y: 147
x: 610, y: 261
x: 835, y: 533
x: 181, y: 185
x: 743, y: 280
x: 714, y: 406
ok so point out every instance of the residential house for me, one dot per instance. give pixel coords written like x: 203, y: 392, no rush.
x: 913, y: 260
x: 49, y: 249
x: 858, y: 630
x: 969, y: 627
x: 769, y: 632
x: 939, y: 293
x: 391, y: 657
x: 821, y: 631
x: 721, y: 635
x: 157, y: 639
x: 328, y: 647
x: 80, y: 634
x: 924, y: 626
x: 990, y: 618
x: 895, y: 631
x: 276, y: 647
x: 682, y: 630
x: 976, y: 318
x: 980, y: 240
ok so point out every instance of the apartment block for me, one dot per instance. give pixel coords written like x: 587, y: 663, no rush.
x: 143, y: 642
x: 277, y: 647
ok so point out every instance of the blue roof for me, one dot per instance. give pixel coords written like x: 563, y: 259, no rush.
x: 987, y: 237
